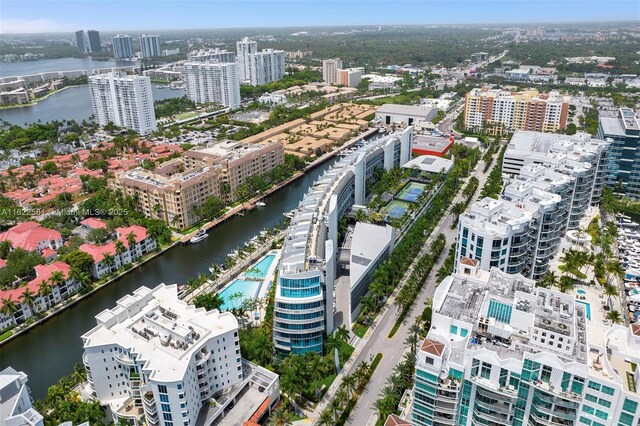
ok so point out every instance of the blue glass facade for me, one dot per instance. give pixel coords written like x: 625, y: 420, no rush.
x: 298, y: 327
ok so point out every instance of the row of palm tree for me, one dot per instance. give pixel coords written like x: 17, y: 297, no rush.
x: 29, y: 299
x: 351, y: 388
x: 401, y: 379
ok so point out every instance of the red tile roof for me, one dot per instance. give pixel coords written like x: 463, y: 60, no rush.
x: 94, y: 223
x: 469, y: 262
x: 98, y: 252
x: 27, y: 235
x: 394, y: 420
x: 48, y: 252
x: 43, y: 273
x: 433, y: 347
x: 635, y: 329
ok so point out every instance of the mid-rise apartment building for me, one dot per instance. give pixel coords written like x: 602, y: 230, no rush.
x: 501, y: 351
x: 330, y: 69
x: 211, y: 55
x: 156, y: 357
x: 496, y: 111
x: 579, y: 156
x: 150, y: 46
x: 235, y: 162
x: 124, y: 100
x: 173, y: 191
x: 213, y: 82
x: 244, y: 48
x: 350, y: 77
x: 304, y: 297
x: 94, y: 41
x: 623, y: 132
x: 266, y: 66
x: 16, y: 406
x: 122, y: 46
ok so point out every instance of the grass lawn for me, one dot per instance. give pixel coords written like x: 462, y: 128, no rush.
x: 360, y: 330
x: 6, y: 335
x: 345, y: 352
x: 187, y: 115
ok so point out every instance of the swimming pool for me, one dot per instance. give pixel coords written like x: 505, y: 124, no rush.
x: 237, y: 292
x: 259, y: 270
x: 411, y: 191
x: 588, y: 308
x: 581, y: 291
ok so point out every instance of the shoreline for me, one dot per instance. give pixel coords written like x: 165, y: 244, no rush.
x: 247, y: 205
x: 35, y: 102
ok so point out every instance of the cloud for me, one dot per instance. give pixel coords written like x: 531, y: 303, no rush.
x: 17, y: 26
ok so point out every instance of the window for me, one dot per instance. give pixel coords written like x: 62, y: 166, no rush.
x: 594, y: 385
x: 591, y: 398
x: 165, y: 407
x: 162, y: 389
x: 608, y: 390
x: 629, y: 405
x: 485, y: 372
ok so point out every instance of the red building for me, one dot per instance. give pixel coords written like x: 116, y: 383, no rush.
x: 432, y: 145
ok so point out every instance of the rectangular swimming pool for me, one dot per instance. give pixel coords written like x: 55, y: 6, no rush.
x: 259, y: 270
x: 237, y: 292
x: 588, y: 308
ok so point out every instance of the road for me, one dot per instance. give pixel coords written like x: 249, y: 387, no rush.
x: 376, y: 340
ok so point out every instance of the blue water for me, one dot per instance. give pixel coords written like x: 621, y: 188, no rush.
x: 245, y: 288
x: 581, y: 291
x: 588, y: 306
x: 260, y: 269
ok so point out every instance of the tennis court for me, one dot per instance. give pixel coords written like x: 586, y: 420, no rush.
x: 395, y: 209
x: 411, y: 192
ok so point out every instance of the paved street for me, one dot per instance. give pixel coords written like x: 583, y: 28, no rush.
x: 393, y: 349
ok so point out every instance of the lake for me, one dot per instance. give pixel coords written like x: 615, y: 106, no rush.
x: 10, y: 69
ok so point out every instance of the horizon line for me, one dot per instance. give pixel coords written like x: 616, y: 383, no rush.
x: 475, y: 24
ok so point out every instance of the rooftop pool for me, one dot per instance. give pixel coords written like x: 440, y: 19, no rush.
x: 588, y: 308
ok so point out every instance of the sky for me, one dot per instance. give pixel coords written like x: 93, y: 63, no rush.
x: 33, y: 16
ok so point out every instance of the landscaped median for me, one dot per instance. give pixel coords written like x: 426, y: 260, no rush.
x: 351, y: 387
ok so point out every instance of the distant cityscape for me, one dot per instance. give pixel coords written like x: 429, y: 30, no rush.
x: 362, y: 226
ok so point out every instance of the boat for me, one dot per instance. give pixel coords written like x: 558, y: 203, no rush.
x: 260, y: 204
x: 290, y: 214
x: 199, y: 236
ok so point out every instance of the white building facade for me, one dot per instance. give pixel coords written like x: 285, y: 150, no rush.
x: 150, y: 46
x: 330, y: 69
x: 155, y: 355
x: 126, y: 101
x: 304, y: 299
x: 122, y: 46
x: 503, y: 352
x: 16, y: 408
x: 244, y: 48
x: 213, y: 82
x: 266, y: 66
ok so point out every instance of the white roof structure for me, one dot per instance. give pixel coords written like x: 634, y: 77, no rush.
x: 414, y: 110
x: 367, y: 243
x: 430, y: 164
x: 164, y: 330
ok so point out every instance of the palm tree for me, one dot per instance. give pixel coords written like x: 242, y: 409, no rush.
x: 614, y: 268
x: 614, y: 317
x: 349, y: 383
x: 342, y: 334
x: 325, y: 418
x: 79, y: 374
x: 120, y: 248
x: 81, y: 277
x: 565, y: 284
x: 44, y: 289
x: 610, y: 291
x: 56, y: 279
x: 548, y: 280
x: 108, y: 260
x: 131, y: 239
x: 457, y: 209
x: 28, y: 298
x: 9, y: 307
